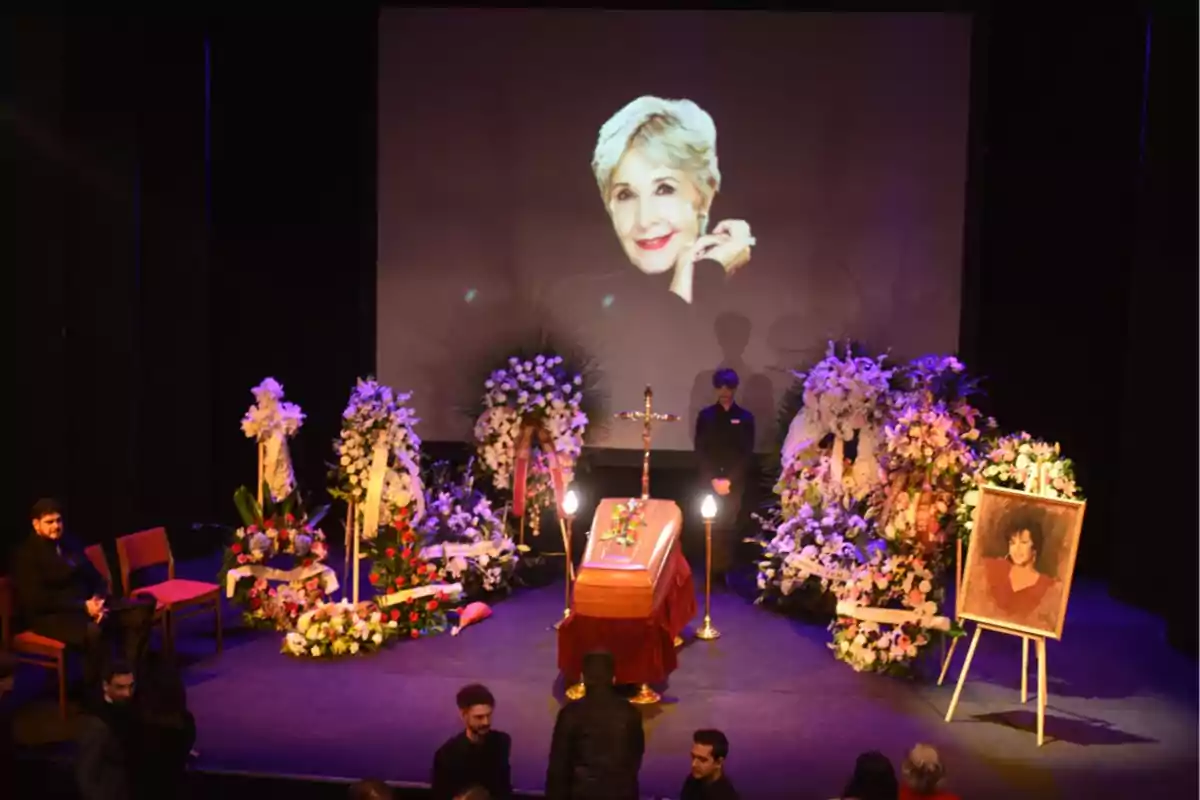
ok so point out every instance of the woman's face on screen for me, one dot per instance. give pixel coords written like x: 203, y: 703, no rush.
x: 655, y: 211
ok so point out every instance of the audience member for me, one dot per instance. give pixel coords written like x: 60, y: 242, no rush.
x: 62, y: 596
x: 167, y: 731
x: 370, y: 790
x: 708, y: 780
x: 476, y: 757
x: 598, y: 743
x: 874, y: 779
x: 8, y: 671
x: 923, y: 774
x: 107, y: 738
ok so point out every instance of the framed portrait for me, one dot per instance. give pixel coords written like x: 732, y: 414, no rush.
x: 1020, y: 561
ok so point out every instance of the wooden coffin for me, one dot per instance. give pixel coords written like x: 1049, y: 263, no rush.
x: 620, y: 580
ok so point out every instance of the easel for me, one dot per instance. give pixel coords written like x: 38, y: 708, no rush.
x: 1038, y: 639
x: 351, y: 549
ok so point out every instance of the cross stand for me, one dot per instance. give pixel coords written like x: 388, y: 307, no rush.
x: 647, y: 417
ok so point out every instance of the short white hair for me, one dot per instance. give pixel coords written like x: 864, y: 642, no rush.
x: 683, y: 130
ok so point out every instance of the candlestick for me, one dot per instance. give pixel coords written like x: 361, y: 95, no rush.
x: 708, y: 510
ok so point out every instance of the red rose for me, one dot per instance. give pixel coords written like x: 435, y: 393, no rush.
x: 407, y: 554
x: 421, y: 569
x: 431, y: 605
x: 373, y: 578
x: 255, y: 603
x: 390, y: 552
x: 241, y: 559
x: 394, y: 614
x: 399, y: 580
x: 407, y: 536
x: 236, y: 548
x: 441, y: 596
x: 308, y: 562
x: 252, y: 529
x: 283, y: 537
x: 414, y: 633
x: 291, y: 520
x: 413, y: 617
x: 269, y: 524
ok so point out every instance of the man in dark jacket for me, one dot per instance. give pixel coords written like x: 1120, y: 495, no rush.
x: 708, y: 780
x: 476, y: 756
x: 725, y: 452
x: 107, y: 739
x: 62, y: 596
x: 598, y: 743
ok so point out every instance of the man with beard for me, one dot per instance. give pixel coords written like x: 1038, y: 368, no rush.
x: 107, y: 739
x: 598, y: 743
x: 62, y: 596
x: 476, y: 757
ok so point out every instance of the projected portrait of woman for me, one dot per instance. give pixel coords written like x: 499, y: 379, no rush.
x: 656, y: 165
x: 1011, y: 580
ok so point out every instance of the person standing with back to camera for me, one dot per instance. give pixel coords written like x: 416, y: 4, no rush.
x: 655, y: 163
x: 725, y: 452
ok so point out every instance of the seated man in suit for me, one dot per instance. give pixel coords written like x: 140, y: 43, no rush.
x: 62, y: 596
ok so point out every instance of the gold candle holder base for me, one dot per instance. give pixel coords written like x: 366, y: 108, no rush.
x: 646, y: 697
x: 576, y: 692
x: 708, y: 633
x: 678, y: 641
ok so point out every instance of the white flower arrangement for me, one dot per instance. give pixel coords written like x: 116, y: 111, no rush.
x: 536, y: 391
x: 271, y: 421
x: 813, y: 543
x: 465, y: 533
x: 844, y: 395
x: 377, y: 415
x: 1017, y: 461
x: 336, y: 629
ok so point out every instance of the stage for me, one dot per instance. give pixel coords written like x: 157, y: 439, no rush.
x: 796, y: 718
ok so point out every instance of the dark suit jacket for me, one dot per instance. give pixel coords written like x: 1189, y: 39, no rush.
x: 725, y: 444
x: 50, y: 582
x: 596, y: 750
x: 102, y: 768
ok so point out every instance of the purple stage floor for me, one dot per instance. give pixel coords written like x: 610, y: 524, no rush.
x: 1122, y: 717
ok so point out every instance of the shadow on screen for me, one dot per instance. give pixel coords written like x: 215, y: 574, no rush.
x: 756, y: 393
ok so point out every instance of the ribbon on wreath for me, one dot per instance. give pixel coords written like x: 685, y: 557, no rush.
x: 375, y: 478
x: 524, y: 447
x: 885, y: 616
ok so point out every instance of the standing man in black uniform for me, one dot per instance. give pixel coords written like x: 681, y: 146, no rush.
x: 725, y: 452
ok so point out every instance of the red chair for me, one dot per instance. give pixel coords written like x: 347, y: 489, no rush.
x: 31, y: 648
x: 176, y: 597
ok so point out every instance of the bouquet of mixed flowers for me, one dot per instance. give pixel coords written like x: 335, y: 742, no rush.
x: 1017, y: 461
x: 894, y: 582
x: 271, y: 422
x: 465, y: 535
x: 336, y: 629
x: 538, y: 392
x: 375, y: 415
x: 407, y: 585
x: 279, y: 538
x: 808, y: 549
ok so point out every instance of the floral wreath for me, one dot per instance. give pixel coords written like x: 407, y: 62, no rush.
x: 529, y: 402
x: 375, y: 415
x: 407, y: 584
x: 282, y: 544
x: 271, y: 422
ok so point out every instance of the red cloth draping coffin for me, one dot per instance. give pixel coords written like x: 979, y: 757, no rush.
x: 630, y: 600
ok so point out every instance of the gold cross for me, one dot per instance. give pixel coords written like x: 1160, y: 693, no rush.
x: 647, y: 417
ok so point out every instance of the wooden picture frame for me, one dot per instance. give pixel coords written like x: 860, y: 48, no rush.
x: 1020, y: 563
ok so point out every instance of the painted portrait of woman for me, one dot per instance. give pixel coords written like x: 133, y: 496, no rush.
x: 1012, y: 582
x: 655, y: 163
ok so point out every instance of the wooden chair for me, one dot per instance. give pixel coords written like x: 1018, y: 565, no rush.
x: 176, y: 597
x: 31, y: 648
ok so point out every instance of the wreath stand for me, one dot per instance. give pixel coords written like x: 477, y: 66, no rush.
x: 351, y: 548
